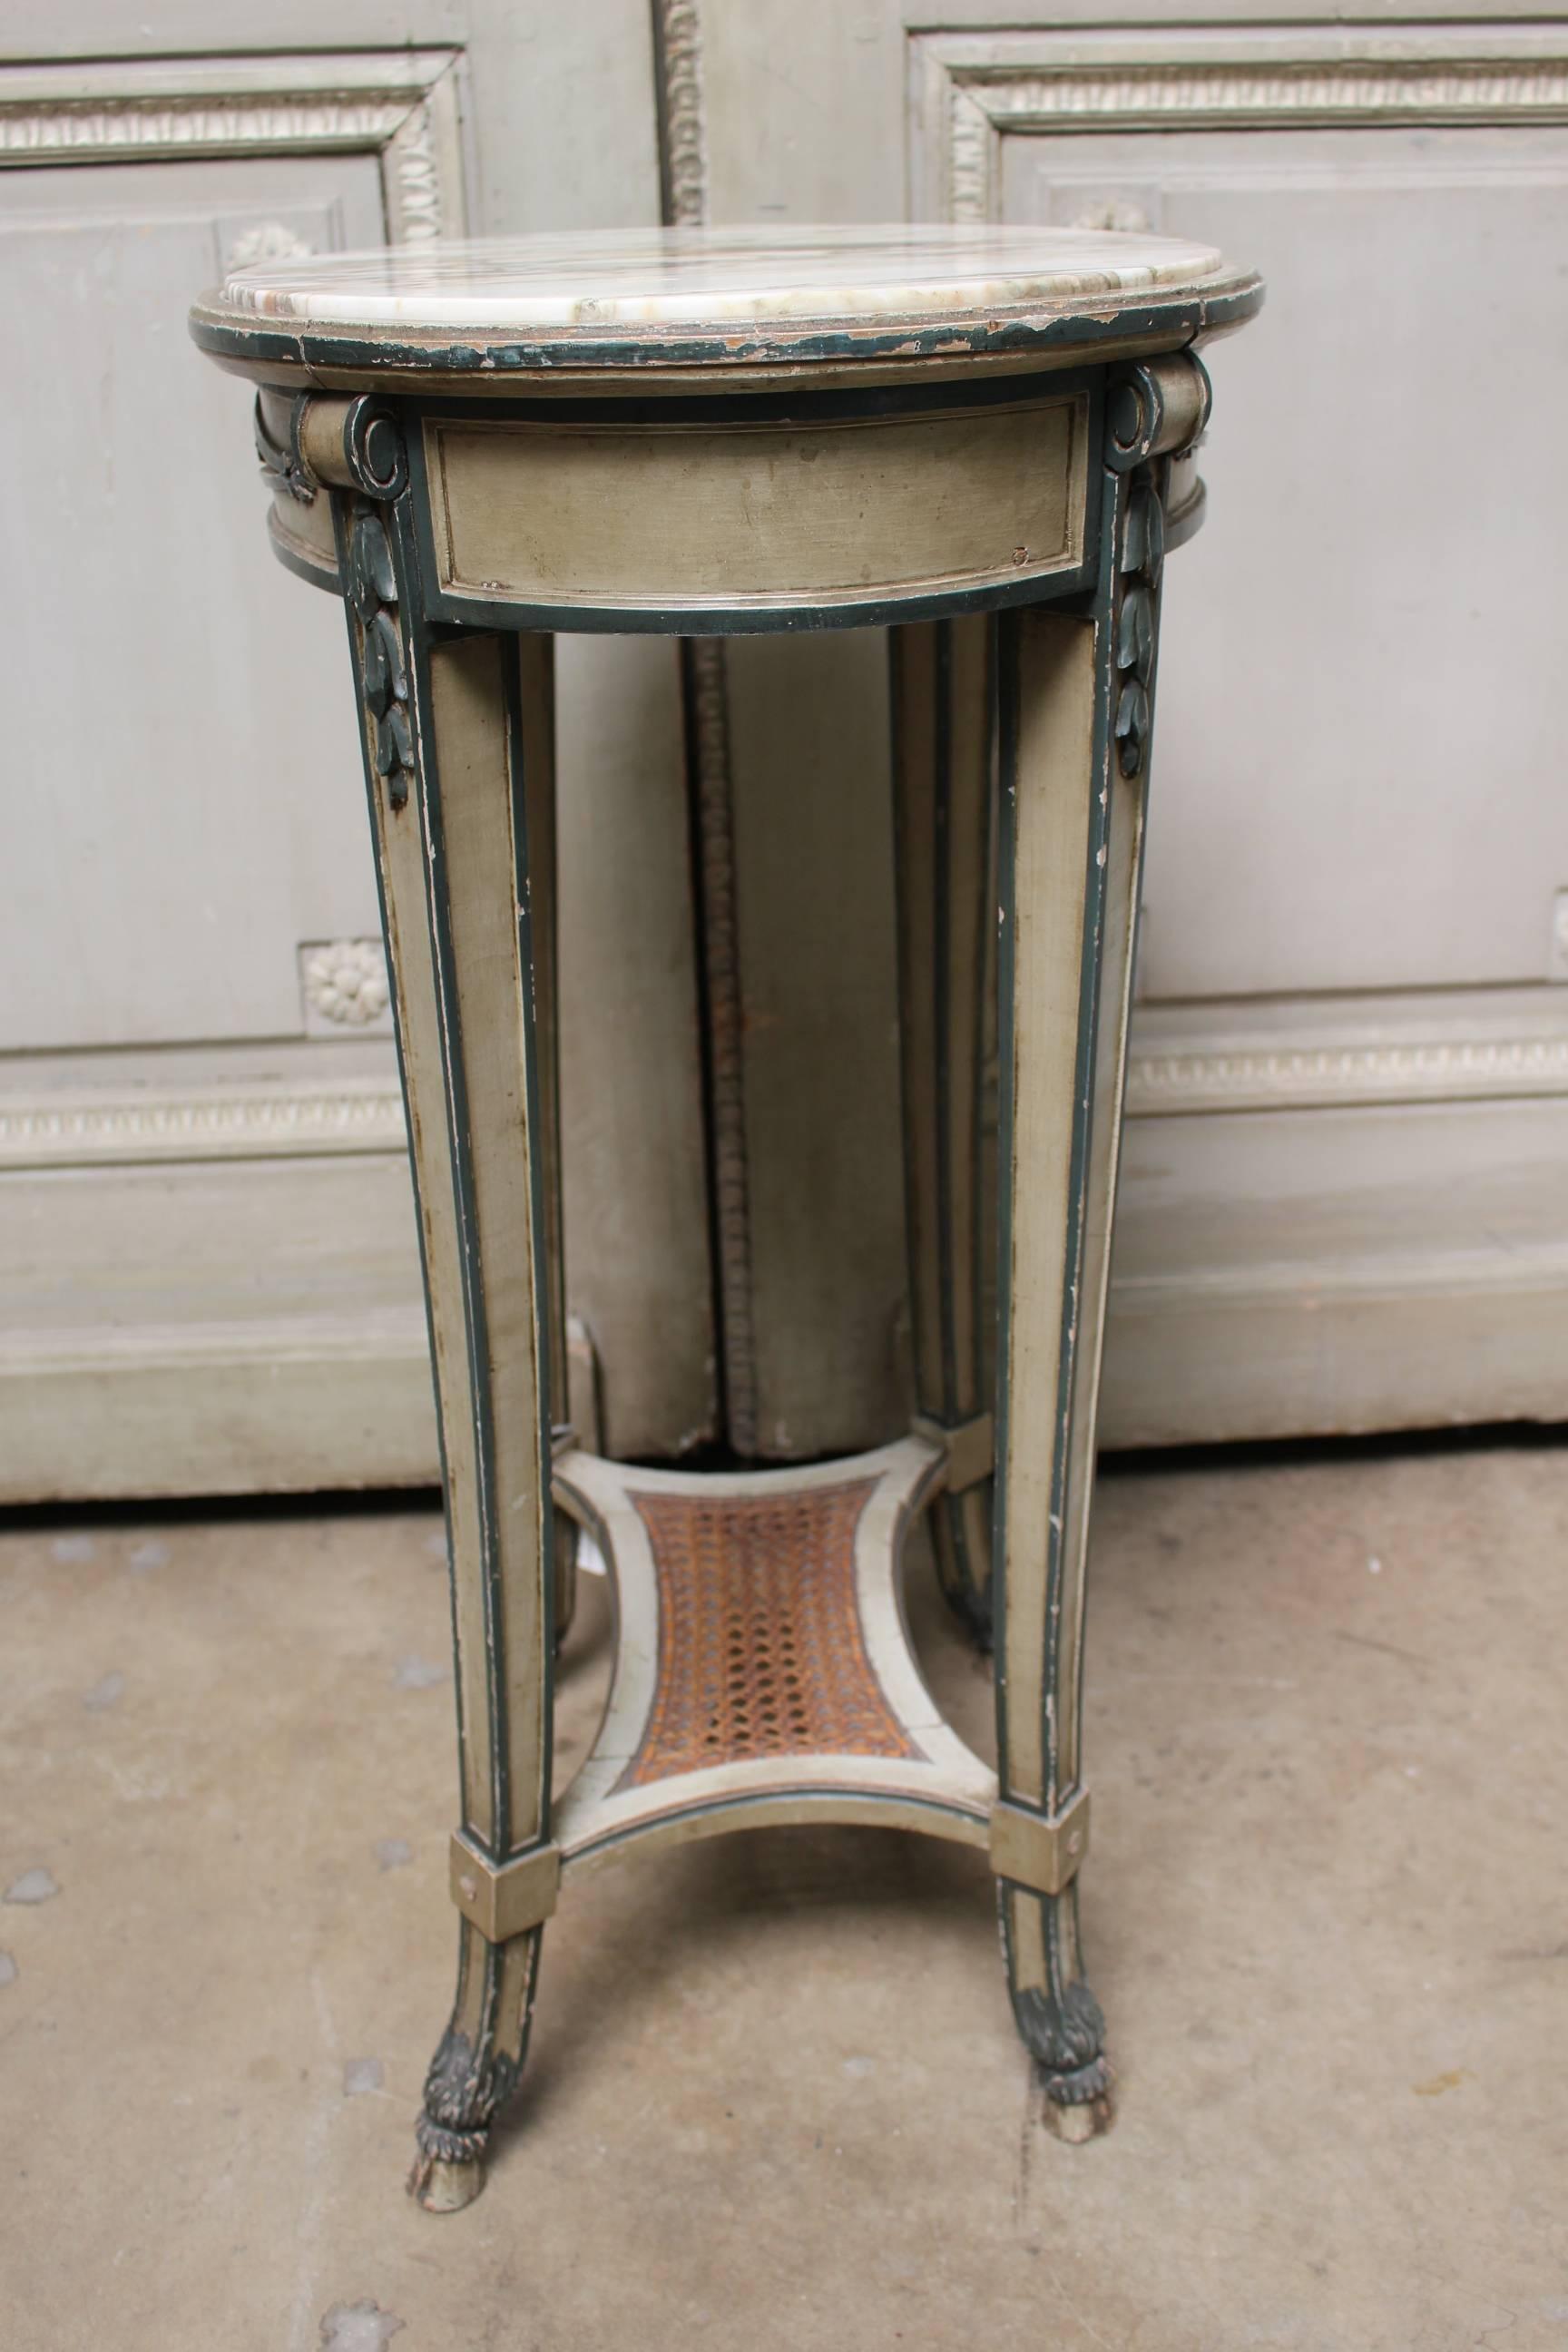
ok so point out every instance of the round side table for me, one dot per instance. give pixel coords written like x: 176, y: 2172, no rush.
x: 981, y: 439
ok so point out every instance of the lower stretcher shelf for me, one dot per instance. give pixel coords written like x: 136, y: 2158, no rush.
x: 764, y: 1667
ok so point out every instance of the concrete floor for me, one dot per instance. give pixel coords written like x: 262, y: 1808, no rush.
x: 775, y: 2099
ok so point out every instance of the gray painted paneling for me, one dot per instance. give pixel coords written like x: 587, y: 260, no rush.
x: 178, y: 732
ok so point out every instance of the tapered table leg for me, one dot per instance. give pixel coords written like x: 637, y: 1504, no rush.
x: 1076, y: 705
x: 944, y: 703
x: 536, y: 660
x: 453, y: 729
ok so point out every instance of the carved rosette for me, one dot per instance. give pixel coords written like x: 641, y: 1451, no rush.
x: 268, y: 241
x: 345, y: 981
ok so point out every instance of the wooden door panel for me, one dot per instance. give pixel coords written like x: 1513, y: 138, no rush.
x: 1354, y: 725
x: 178, y: 732
x: 186, y: 788
x: 1357, y: 828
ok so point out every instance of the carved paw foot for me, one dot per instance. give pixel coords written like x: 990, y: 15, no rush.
x: 1065, y: 2038
x: 462, y: 2092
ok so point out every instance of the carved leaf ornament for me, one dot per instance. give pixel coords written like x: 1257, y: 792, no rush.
x: 282, y: 461
x: 372, y: 592
x: 1143, y: 547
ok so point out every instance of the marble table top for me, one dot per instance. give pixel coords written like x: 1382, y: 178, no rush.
x: 756, y: 295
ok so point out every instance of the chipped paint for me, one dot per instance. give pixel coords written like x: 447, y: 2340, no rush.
x: 317, y: 352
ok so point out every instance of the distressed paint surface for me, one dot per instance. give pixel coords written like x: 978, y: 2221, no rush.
x: 1054, y: 698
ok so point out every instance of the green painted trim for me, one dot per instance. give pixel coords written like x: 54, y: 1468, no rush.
x: 1112, y: 495
x: 1007, y: 901
x: 343, y: 503
x: 1175, y: 320
x: 424, y: 807
x: 808, y: 404
x: 1114, y: 502
x: 942, y: 940
x: 948, y: 1391
x: 978, y: 1268
x: 538, y: 1222
x: 900, y: 653
x: 425, y: 800
x: 641, y: 620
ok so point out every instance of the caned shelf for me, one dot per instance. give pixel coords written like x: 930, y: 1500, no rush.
x: 763, y: 1669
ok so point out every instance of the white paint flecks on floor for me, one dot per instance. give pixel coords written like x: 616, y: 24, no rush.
x: 35, y: 1885
x: 775, y: 2099
x: 358, y: 2328
x: 415, y: 1673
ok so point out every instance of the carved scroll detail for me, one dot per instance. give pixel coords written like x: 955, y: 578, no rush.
x: 1152, y: 413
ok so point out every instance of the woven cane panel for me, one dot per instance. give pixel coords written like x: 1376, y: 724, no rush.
x: 760, y: 1649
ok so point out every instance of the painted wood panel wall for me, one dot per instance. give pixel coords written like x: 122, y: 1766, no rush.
x: 207, y: 1252
x: 1351, y: 1004
x: 1349, y: 1083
